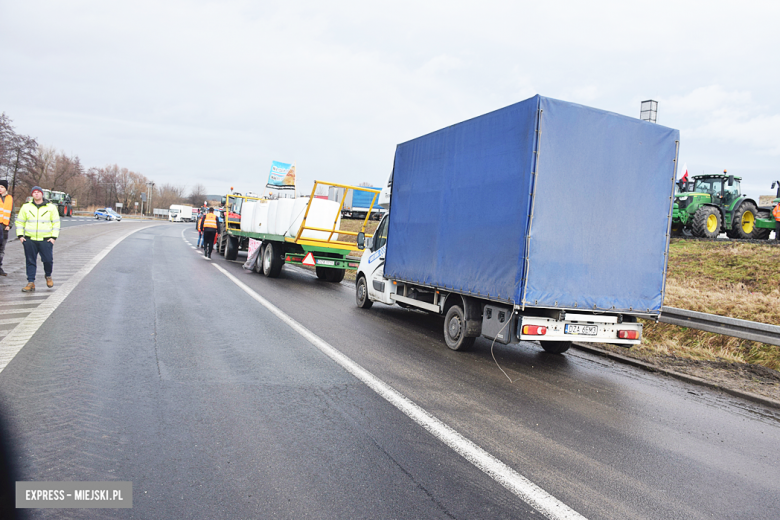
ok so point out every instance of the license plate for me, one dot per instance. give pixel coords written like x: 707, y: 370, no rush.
x: 585, y: 330
x: 326, y: 262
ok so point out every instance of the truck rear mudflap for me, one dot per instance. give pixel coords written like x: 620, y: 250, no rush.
x: 583, y: 328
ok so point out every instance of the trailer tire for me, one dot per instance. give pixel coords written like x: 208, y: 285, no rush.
x: 361, y: 293
x: 455, y: 330
x: 272, y: 260
x: 335, y: 275
x: 231, y: 249
x: 555, y: 347
x: 322, y: 272
x: 707, y: 222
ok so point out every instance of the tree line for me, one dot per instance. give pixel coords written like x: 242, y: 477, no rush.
x: 25, y: 163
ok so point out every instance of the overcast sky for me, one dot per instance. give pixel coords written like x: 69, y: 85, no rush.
x: 212, y: 92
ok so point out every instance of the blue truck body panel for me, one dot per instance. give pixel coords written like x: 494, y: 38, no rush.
x: 597, y: 185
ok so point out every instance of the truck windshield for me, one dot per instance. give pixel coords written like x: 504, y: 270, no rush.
x: 174, y: 211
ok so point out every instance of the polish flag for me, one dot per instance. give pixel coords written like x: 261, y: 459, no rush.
x: 684, y: 177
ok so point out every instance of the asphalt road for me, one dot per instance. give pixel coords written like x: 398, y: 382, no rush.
x: 160, y: 370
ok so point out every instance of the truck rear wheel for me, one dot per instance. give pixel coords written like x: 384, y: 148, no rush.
x: 322, y: 272
x: 231, y: 248
x: 706, y: 222
x: 272, y: 260
x: 361, y: 293
x: 455, y: 330
x: 555, y: 347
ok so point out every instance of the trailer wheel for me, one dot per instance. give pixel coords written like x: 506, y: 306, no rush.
x: 231, y: 248
x: 322, y: 272
x: 555, y: 347
x: 361, y: 293
x: 335, y: 275
x: 272, y: 260
x: 455, y: 330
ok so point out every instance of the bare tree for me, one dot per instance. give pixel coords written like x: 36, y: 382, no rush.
x: 197, y: 195
x: 168, y: 194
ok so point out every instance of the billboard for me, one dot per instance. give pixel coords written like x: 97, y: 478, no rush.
x: 282, y: 176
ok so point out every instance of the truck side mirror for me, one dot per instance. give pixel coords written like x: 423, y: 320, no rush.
x: 731, y: 180
x: 361, y: 237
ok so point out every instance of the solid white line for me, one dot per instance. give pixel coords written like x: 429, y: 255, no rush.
x: 18, y: 338
x: 530, y: 493
x: 11, y: 321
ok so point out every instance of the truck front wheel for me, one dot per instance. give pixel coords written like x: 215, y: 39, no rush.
x: 361, y: 293
x: 455, y: 330
x: 555, y: 347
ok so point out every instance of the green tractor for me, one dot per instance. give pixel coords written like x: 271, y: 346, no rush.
x: 713, y: 204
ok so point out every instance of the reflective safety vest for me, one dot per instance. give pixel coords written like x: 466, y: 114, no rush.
x: 6, y: 206
x: 210, y: 221
x: 38, y: 223
x: 776, y: 212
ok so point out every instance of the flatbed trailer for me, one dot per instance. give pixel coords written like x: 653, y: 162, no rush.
x: 329, y: 255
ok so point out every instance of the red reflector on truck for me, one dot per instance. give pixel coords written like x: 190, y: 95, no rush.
x: 628, y: 334
x: 534, y: 330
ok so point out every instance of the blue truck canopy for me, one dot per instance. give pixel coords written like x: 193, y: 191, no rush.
x: 543, y: 204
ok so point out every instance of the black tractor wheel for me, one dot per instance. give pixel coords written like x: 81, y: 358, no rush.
x: 361, y: 293
x: 455, y: 330
x: 231, y: 248
x: 706, y: 222
x: 677, y: 229
x: 335, y: 275
x: 743, y: 221
x: 555, y: 347
x: 762, y: 233
x: 272, y: 260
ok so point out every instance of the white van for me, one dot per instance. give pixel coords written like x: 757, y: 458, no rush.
x: 179, y: 213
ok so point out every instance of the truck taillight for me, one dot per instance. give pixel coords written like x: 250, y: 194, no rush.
x: 628, y: 334
x: 534, y: 330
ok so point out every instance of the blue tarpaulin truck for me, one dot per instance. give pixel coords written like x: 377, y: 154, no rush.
x: 544, y: 220
x: 356, y: 204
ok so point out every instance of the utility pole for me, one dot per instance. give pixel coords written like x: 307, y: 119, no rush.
x: 150, y: 189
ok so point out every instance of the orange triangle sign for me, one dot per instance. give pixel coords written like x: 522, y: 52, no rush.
x: 309, y: 260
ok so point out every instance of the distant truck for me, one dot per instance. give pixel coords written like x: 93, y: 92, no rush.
x: 356, y: 204
x: 544, y: 220
x: 179, y: 213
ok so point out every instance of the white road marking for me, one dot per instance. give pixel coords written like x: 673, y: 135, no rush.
x: 530, y: 493
x: 11, y: 321
x: 12, y: 343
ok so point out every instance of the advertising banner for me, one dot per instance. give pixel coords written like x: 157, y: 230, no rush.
x: 282, y: 176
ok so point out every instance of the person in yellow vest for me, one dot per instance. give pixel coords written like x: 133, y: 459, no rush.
x: 209, y: 231
x: 776, y: 214
x: 38, y: 226
x: 6, y: 207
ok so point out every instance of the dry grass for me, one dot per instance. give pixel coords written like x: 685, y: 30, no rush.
x: 729, y: 279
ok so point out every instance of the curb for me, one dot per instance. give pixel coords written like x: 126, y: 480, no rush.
x: 766, y: 401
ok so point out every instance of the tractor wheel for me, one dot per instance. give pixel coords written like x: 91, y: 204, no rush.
x: 762, y: 233
x: 335, y: 275
x: 677, y: 229
x: 743, y: 221
x: 455, y: 330
x: 231, y: 248
x: 361, y: 294
x: 706, y: 222
x: 272, y: 260
x: 555, y: 347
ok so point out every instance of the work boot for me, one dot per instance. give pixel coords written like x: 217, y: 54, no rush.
x: 49, y: 282
x: 30, y: 287
x: 3, y: 273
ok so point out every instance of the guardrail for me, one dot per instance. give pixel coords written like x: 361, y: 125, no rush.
x: 743, y: 329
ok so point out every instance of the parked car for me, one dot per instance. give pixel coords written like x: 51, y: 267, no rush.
x: 107, y: 214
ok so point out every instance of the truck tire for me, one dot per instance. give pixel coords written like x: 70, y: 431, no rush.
x: 322, y: 272
x: 231, y: 248
x: 272, y: 260
x: 361, y: 293
x: 335, y: 275
x: 743, y: 221
x: 706, y: 222
x: 555, y: 347
x: 455, y: 330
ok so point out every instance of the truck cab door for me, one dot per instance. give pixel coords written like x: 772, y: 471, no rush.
x: 378, y: 289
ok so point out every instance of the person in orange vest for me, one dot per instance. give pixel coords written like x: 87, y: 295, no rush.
x: 209, y: 227
x: 6, y: 207
x: 776, y: 214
